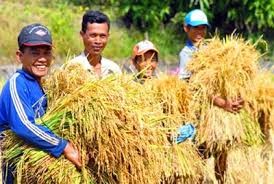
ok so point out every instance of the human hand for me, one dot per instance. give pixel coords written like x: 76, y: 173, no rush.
x: 240, y: 101
x: 234, y: 106
x: 72, y: 154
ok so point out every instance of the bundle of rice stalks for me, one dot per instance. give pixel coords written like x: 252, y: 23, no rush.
x: 222, y: 129
x: 35, y: 166
x: 264, y: 94
x: 224, y: 68
x: 173, y: 94
x: 64, y: 80
x: 248, y: 165
x: 116, y: 126
x: 178, y: 158
x: 271, y: 119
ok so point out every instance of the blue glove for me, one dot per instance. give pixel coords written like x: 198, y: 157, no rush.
x: 185, y: 132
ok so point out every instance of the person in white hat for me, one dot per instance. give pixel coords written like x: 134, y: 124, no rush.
x: 144, y: 60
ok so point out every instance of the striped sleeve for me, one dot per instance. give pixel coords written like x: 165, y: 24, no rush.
x: 22, y: 121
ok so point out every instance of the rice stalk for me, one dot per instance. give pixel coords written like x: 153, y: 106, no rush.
x: 116, y: 125
x: 174, y: 96
x: 224, y: 68
x: 264, y: 95
x: 247, y: 165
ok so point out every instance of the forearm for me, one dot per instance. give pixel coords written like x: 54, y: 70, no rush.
x: 218, y: 101
x: 233, y: 106
x: 40, y: 137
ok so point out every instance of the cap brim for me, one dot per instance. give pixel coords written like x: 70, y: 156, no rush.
x: 144, y: 51
x: 199, y: 23
x: 30, y: 44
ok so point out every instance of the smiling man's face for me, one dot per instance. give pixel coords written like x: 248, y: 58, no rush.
x: 36, y: 60
x: 95, y: 38
x: 196, y: 33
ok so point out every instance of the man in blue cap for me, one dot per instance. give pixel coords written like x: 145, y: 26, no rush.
x: 23, y: 100
x: 195, y: 26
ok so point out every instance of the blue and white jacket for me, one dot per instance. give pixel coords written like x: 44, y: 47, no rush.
x: 22, y: 100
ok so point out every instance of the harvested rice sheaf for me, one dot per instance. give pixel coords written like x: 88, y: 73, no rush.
x: 249, y: 165
x: 116, y: 125
x: 264, y: 94
x: 173, y: 94
x: 271, y: 119
x: 63, y: 81
x: 224, y: 68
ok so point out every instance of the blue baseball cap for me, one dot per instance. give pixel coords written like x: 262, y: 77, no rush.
x: 196, y: 17
x: 34, y: 35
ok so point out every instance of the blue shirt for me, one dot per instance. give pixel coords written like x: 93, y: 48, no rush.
x: 22, y: 100
x: 184, y: 58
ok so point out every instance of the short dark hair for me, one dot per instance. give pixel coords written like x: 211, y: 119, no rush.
x: 94, y: 17
x: 22, y: 48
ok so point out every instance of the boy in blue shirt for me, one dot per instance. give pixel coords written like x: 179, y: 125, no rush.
x: 195, y: 26
x: 22, y: 99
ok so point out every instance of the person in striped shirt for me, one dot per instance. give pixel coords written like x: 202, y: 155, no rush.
x: 23, y: 99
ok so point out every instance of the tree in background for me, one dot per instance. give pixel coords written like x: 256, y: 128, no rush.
x: 246, y: 16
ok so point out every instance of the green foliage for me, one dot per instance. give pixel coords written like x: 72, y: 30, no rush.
x: 247, y: 16
x: 260, y: 16
x: 63, y: 21
x: 11, y: 24
x: 121, y: 42
x: 144, y: 13
x: 161, y: 20
x: 168, y: 42
x: 91, y: 2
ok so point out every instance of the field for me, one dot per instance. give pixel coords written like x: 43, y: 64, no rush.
x: 124, y: 129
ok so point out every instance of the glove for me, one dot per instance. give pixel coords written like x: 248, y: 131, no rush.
x: 185, y: 132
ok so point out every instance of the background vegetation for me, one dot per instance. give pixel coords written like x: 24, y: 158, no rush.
x: 134, y: 20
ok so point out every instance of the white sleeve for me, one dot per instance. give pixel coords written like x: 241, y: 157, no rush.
x: 184, y: 59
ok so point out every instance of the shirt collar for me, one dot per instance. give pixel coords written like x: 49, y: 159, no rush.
x: 86, y: 58
x: 190, y: 45
x: 26, y: 74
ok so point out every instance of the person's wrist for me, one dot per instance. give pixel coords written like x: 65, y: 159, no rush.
x: 67, y: 148
x: 220, y: 102
x: 228, y: 105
